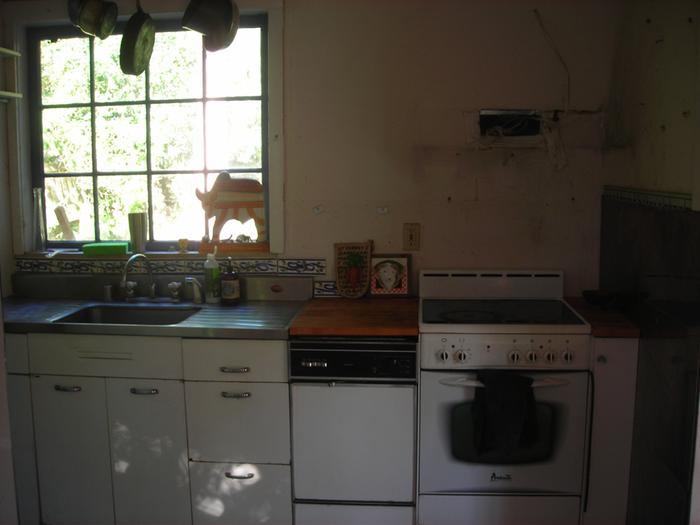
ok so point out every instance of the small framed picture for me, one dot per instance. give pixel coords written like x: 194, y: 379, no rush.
x: 389, y: 274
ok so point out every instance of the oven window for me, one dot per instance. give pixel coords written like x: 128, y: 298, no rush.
x: 504, y: 424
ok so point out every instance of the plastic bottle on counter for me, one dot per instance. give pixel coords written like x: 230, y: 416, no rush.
x: 230, y: 285
x: 212, y: 280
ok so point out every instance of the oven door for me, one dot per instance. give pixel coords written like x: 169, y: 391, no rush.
x: 554, y: 464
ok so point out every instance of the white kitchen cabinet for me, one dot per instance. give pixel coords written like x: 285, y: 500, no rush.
x: 241, y: 494
x: 148, y: 451
x: 105, y: 355
x: 110, y: 450
x: 72, y: 446
x: 235, y: 360
x: 237, y: 400
x: 614, y: 373
x: 19, y: 399
x: 24, y: 460
x: 238, y: 421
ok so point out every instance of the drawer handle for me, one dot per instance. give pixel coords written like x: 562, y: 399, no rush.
x: 230, y: 370
x: 242, y: 476
x: 64, y: 388
x: 236, y: 395
x: 144, y: 391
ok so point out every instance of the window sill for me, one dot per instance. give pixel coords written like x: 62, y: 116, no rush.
x: 155, y: 255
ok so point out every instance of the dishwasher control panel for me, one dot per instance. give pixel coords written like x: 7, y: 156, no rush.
x: 345, y: 359
x: 471, y: 351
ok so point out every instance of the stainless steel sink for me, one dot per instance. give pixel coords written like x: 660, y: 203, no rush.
x: 129, y: 314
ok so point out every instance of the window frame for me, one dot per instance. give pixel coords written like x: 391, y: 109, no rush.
x: 35, y: 35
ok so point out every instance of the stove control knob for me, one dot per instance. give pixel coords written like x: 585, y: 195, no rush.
x: 443, y: 356
x: 514, y: 357
x: 550, y: 357
x: 567, y: 356
x: 462, y: 356
x: 531, y: 357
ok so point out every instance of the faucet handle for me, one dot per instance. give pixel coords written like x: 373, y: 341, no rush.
x: 174, y: 289
x: 196, y: 289
x: 130, y: 289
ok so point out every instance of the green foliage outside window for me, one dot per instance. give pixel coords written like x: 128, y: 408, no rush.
x: 115, y: 144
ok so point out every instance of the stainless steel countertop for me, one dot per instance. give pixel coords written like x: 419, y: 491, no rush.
x: 247, y: 320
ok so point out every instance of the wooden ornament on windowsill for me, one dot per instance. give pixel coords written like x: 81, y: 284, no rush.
x: 233, y: 198
x: 352, y: 268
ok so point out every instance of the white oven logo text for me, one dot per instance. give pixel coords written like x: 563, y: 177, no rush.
x: 501, y: 477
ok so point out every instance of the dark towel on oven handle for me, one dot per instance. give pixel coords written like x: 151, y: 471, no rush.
x: 503, y: 413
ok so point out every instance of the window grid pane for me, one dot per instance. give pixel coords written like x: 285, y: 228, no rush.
x: 142, y: 156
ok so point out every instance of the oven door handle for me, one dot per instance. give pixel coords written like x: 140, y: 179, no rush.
x: 471, y: 382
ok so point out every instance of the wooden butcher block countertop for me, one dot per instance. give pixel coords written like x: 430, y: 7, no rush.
x: 357, y: 317
x: 604, y: 323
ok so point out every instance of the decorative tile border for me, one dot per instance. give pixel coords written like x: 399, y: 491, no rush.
x: 302, y: 266
x: 170, y: 266
x: 657, y: 199
x: 325, y: 289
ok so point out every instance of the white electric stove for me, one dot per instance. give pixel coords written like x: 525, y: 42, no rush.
x: 525, y: 467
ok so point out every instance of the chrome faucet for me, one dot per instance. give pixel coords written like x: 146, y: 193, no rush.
x: 127, y: 287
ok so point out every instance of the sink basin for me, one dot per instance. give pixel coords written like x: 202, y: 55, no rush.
x: 129, y: 314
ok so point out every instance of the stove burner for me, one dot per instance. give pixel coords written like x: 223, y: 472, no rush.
x: 469, y: 316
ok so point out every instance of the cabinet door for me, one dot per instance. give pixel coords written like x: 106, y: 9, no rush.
x: 149, y: 451
x: 22, y: 432
x: 614, y: 373
x: 72, y: 445
x: 243, y: 494
x: 238, y: 421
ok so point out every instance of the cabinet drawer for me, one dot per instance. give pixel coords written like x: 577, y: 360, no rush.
x: 238, y: 421
x: 105, y: 355
x: 16, y: 354
x: 240, y: 493
x: 234, y: 360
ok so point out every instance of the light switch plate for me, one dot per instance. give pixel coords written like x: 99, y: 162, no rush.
x: 411, y: 236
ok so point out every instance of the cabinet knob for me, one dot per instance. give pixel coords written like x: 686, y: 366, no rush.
x: 602, y: 359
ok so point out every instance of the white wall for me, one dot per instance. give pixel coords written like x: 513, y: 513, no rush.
x: 379, y: 99
x: 654, y: 112
x: 6, y: 259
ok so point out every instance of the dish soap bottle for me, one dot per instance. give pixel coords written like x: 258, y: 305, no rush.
x: 212, y: 280
x: 230, y: 285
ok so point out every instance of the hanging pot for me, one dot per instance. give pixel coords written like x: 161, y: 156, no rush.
x: 93, y: 17
x: 137, y: 43
x: 217, y: 20
x: 222, y: 39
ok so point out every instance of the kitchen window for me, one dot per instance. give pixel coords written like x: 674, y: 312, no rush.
x: 105, y: 144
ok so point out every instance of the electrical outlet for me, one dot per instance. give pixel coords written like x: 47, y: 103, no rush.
x: 411, y: 236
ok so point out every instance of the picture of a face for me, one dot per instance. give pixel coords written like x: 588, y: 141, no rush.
x: 388, y: 274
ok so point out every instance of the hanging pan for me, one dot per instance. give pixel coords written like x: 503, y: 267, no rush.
x: 93, y: 17
x: 137, y: 43
x: 217, y: 20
